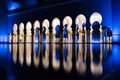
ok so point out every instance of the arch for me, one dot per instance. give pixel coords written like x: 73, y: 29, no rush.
x: 28, y: 32
x: 67, y: 20
x: 96, y: 30
x: 45, y: 23
x: 45, y: 27
x: 55, y: 28
x: 15, y: 35
x: 55, y: 22
x: 15, y: 27
x: 80, y: 20
x: 95, y: 17
x: 28, y: 27
x: 67, y: 23
x: 21, y: 31
x: 21, y: 28
x: 36, y: 24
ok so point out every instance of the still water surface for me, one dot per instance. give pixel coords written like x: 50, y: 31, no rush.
x: 58, y: 61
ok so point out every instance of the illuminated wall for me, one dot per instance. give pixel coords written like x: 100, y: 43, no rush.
x: 116, y: 20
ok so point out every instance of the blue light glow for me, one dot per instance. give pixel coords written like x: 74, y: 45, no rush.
x: 3, y: 38
x: 115, y: 58
x: 116, y: 20
x: 3, y: 49
x: 37, y: 49
x: 116, y: 38
x: 13, y: 5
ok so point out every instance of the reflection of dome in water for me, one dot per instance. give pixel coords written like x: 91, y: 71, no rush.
x: 81, y: 67
x: 36, y: 60
x: 56, y: 64
x: 96, y: 69
x: 21, y: 53
x: 67, y: 65
x: 45, y: 62
x: 28, y: 54
x: 14, y: 53
x: 28, y: 60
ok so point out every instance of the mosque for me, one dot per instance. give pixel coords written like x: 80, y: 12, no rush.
x: 70, y: 21
x: 95, y: 34
x: 59, y: 39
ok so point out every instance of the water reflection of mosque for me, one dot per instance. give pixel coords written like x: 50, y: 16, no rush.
x: 62, y: 54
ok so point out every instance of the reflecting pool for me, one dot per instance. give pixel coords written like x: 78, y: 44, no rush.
x: 59, y: 61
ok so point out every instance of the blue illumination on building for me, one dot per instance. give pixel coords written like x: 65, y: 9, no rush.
x: 3, y: 49
x: 13, y: 6
x: 3, y: 38
x: 116, y: 20
x: 109, y: 12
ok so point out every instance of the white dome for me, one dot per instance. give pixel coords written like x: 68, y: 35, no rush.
x: 96, y: 69
x: 28, y: 26
x: 67, y: 65
x: 15, y: 28
x: 95, y: 17
x: 67, y: 20
x: 55, y: 22
x: 55, y: 64
x: 45, y: 23
x: 21, y: 27
x: 36, y: 24
x: 80, y: 20
x: 45, y: 62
